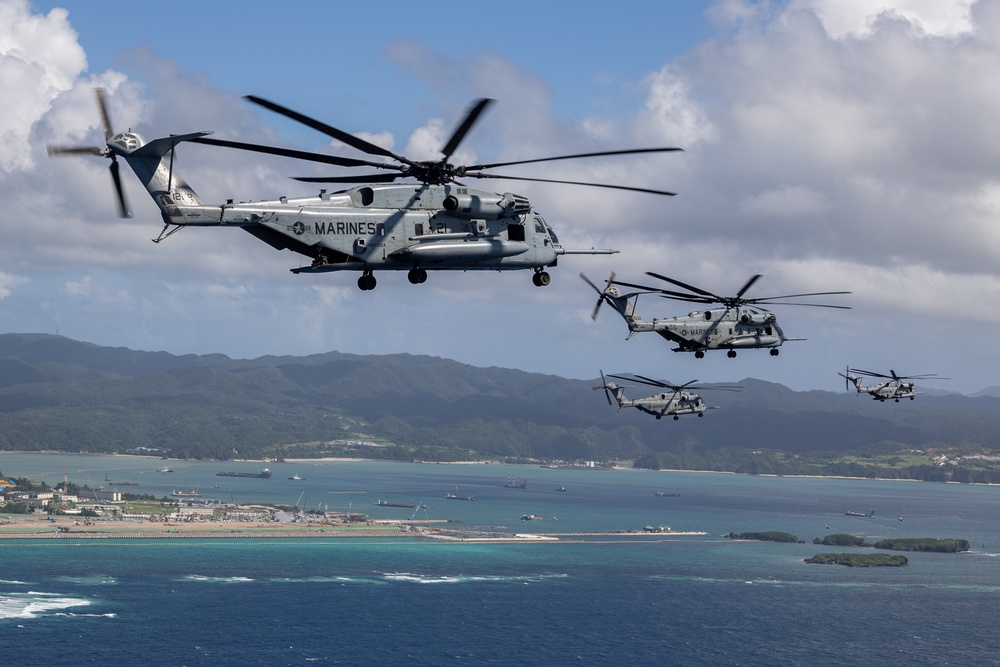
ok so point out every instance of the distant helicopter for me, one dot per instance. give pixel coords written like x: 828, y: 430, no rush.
x: 894, y: 388
x: 674, y: 402
x: 435, y: 223
x: 737, y: 325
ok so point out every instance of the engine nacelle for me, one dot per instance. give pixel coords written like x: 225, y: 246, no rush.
x: 475, y: 207
x: 753, y: 319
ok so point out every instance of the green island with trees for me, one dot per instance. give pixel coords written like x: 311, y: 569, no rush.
x: 950, y: 546
x: 766, y: 536
x: 859, y: 560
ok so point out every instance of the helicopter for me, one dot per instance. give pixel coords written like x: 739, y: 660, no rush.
x: 738, y: 324
x: 434, y: 223
x: 674, y: 402
x: 895, y: 387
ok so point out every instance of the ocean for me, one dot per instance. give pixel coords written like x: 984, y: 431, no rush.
x: 667, y: 600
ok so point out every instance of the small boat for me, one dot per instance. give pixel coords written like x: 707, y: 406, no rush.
x: 452, y: 496
x: 561, y: 488
x: 662, y: 494
x: 166, y: 469
x: 530, y: 517
x: 296, y: 478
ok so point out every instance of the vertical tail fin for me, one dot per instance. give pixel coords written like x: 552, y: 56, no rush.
x: 153, y: 164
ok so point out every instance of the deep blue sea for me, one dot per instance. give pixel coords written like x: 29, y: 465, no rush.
x: 688, y: 600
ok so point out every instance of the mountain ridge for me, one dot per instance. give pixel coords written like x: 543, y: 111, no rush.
x: 62, y: 394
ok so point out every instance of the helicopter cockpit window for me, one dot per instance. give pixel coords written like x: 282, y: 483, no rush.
x: 708, y: 314
x: 367, y: 196
x: 539, y: 226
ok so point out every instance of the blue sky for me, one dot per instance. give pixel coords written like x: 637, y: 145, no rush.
x: 829, y: 145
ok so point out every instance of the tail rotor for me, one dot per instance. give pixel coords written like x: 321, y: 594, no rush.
x: 64, y: 151
x: 604, y: 386
x: 602, y: 295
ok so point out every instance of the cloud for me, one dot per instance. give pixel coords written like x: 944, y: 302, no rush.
x: 39, y: 59
x: 858, y: 18
x: 828, y: 146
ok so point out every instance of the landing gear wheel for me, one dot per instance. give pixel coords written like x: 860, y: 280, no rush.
x: 701, y: 414
x: 541, y: 279
x: 417, y: 276
x: 676, y: 417
x: 774, y: 351
x: 367, y: 281
x: 699, y: 355
x: 731, y: 354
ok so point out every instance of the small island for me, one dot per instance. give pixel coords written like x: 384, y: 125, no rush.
x: 949, y: 546
x: 859, y: 560
x: 842, y: 540
x: 766, y: 536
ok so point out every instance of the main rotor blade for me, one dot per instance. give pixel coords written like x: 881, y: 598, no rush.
x: 659, y: 383
x: 696, y: 290
x: 122, y: 204
x: 785, y: 303
x: 630, y: 151
x: 102, y: 103
x: 549, y: 180
x: 470, y: 118
x: 363, y: 178
x: 339, y: 135
x: 868, y: 373
x: 59, y: 151
x: 754, y: 278
x: 665, y: 293
x: 297, y: 155
x: 792, y: 296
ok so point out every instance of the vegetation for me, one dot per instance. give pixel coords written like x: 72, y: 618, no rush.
x: 842, y: 540
x: 859, y: 560
x: 768, y: 536
x: 923, y: 544
x: 57, y: 394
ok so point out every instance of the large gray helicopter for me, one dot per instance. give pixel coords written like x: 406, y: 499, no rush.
x: 894, y: 388
x: 677, y: 400
x: 737, y: 325
x: 434, y: 223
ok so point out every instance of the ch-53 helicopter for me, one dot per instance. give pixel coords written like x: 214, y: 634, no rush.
x: 737, y: 325
x: 674, y: 402
x: 435, y: 223
x: 894, y: 388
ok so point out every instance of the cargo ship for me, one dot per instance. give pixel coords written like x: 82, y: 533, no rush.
x: 263, y: 474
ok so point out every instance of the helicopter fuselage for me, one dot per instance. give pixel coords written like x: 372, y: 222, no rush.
x: 725, y: 328
x: 412, y: 227
x: 892, y: 390
x: 664, y: 404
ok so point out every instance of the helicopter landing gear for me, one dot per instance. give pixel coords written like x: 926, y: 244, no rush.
x: 541, y: 279
x: 774, y: 351
x: 701, y: 414
x: 731, y: 354
x: 699, y: 354
x: 367, y: 281
x: 417, y: 276
x: 676, y: 417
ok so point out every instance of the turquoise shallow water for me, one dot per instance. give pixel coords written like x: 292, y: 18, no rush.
x: 685, y: 600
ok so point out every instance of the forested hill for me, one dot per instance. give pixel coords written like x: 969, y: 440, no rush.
x: 61, y: 394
